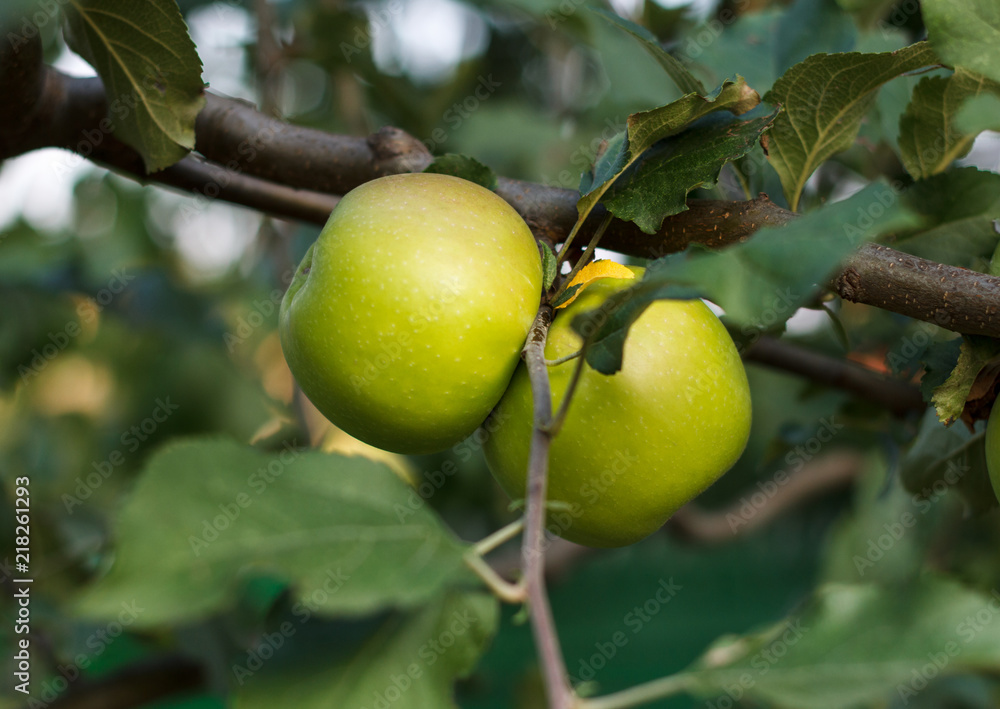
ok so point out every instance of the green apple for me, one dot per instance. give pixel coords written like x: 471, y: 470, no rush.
x: 406, y: 318
x: 638, y: 444
x: 993, y: 448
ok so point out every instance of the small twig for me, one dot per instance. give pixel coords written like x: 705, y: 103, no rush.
x: 582, y: 261
x: 501, y: 587
x: 557, y: 421
x: 562, y: 360
x: 504, y: 534
x: 640, y: 694
x: 554, y: 674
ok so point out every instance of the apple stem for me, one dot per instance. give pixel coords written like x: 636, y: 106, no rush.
x: 582, y: 261
x: 556, y: 678
x: 562, y: 360
x: 555, y: 425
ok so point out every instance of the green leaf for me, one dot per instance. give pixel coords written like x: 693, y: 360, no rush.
x: 465, y: 167
x: 965, y: 33
x: 854, y: 645
x: 759, y: 283
x: 939, y: 360
x: 979, y: 113
x: 976, y: 353
x: 948, y: 457
x: 657, y: 184
x: 150, y: 68
x: 685, y: 81
x: 550, y: 266
x: 648, y: 127
x: 409, y: 663
x: 824, y: 99
x: 929, y: 140
x: 958, y: 209
x: 344, y: 525
x: 830, y: 30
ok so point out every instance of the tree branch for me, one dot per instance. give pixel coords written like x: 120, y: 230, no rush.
x: 283, y: 169
x: 898, y: 397
x: 558, y: 691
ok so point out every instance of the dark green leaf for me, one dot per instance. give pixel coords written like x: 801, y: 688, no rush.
x: 685, y: 81
x: 965, y: 33
x: 409, y: 663
x: 939, y: 360
x: 465, y: 167
x: 657, y: 185
x: 758, y: 283
x: 929, y: 139
x: 207, y: 514
x: 948, y: 457
x: 150, y: 68
x: 550, y: 266
x: 824, y: 99
x: 646, y: 128
x: 566, y: 295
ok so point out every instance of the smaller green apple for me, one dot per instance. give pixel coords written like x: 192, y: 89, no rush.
x: 640, y: 443
x: 406, y: 318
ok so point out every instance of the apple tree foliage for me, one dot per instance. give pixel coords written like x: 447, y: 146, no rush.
x: 173, y: 472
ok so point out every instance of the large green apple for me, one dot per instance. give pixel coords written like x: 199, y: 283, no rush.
x: 993, y: 448
x: 638, y: 444
x: 406, y: 318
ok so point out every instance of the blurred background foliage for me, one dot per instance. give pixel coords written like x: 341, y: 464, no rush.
x: 123, y: 302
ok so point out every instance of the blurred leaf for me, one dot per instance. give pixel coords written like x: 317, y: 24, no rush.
x: 646, y: 128
x: 853, y: 645
x: 150, y: 68
x: 206, y: 514
x: 824, y: 99
x: 685, y: 81
x: 830, y: 30
x: 409, y: 663
x: 743, y: 42
x: 979, y: 113
x: 929, y: 140
x: 772, y: 274
x: 465, y: 167
x: 965, y: 33
x: 885, y: 537
x: 976, y: 354
x: 944, y: 457
x: 959, y: 208
x: 657, y: 184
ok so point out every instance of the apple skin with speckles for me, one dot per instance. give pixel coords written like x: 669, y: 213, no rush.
x: 638, y: 444
x: 406, y: 318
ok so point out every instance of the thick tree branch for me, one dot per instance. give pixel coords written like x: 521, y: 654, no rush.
x: 258, y: 161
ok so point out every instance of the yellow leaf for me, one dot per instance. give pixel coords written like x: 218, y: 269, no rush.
x: 602, y: 268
